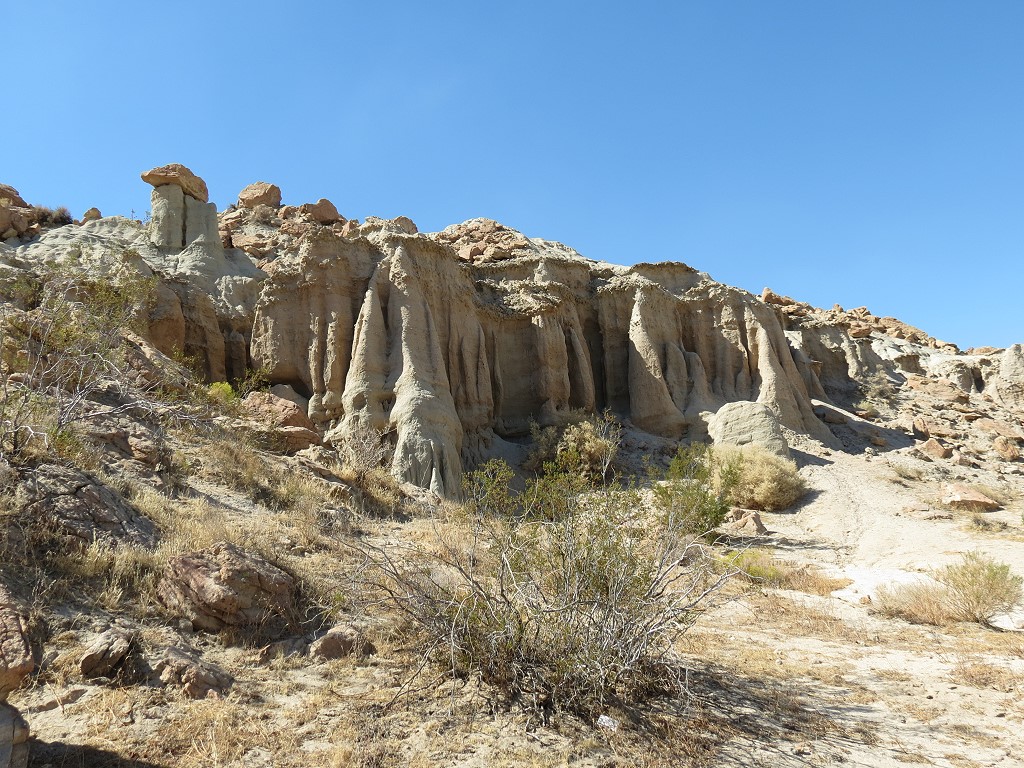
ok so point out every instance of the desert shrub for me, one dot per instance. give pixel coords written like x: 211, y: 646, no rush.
x: 590, y: 446
x: 579, y: 442
x: 61, y: 346
x: 878, y: 387
x: 976, y: 589
x: 52, y: 217
x: 758, y: 478
x: 695, y: 492
x: 919, y: 602
x: 557, y: 612
x: 222, y: 392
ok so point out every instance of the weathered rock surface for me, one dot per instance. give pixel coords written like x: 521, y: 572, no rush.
x: 339, y: 642
x: 106, y: 654
x: 198, y: 679
x: 80, y: 507
x: 260, y: 193
x: 16, y: 664
x: 15, y: 653
x: 14, y: 735
x: 226, y: 586
x: 744, y: 423
x: 394, y: 333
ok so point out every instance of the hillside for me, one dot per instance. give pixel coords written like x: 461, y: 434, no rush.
x: 246, y: 453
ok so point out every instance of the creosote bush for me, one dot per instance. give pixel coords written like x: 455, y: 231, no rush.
x: 975, y: 589
x: 694, y: 496
x: 562, y: 597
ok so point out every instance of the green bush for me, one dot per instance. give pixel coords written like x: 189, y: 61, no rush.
x: 694, y: 495
x: 581, y: 442
x: 978, y: 588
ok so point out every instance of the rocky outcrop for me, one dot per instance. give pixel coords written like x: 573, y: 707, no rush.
x: 79, y: 507
x: 394, y: 332
x: 226, y: 586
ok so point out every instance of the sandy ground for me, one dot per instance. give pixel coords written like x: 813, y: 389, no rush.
x: 780, y: 677
x: 907, y: 693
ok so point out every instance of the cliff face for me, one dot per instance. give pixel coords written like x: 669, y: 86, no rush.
x: 393, y: 331
x: 451, y: 342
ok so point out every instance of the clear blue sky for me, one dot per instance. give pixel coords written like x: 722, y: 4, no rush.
x: 867, y: 152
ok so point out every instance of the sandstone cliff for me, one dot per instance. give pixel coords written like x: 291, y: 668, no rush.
x: 452, y: 342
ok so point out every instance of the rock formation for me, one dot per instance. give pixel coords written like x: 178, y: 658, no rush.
x: 450, y: 343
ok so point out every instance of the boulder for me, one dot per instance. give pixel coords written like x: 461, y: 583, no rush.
x: 197, y: 678
x: 93, y: 214
x: 9, y: 197
x: 745, y: 422
x: 176, y: 174
x: 933, y: 448
x: 107, y: 653
x: 958, y: 496
x: 16, y: 661
x: 14, y: 735
x: 1006, y: 448
x: 260, y: 193
x: 341, y: 641
x: 322, y: 211
x: 226, y: 586
x: 277, y: 411
x: 745, y: 521
x: 79, y: 506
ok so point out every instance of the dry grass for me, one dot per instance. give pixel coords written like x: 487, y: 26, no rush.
x: 976, y: 589
x: 919, y: 602
x: 762, y: 480
x: 979, y: 672
x: 762, y: 568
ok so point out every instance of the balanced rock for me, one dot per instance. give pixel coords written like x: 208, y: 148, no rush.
x: 744, y: 422
x: 260, y: 193
x: 226, y: 586
x: 93, y: 214
x: 178, y: 175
